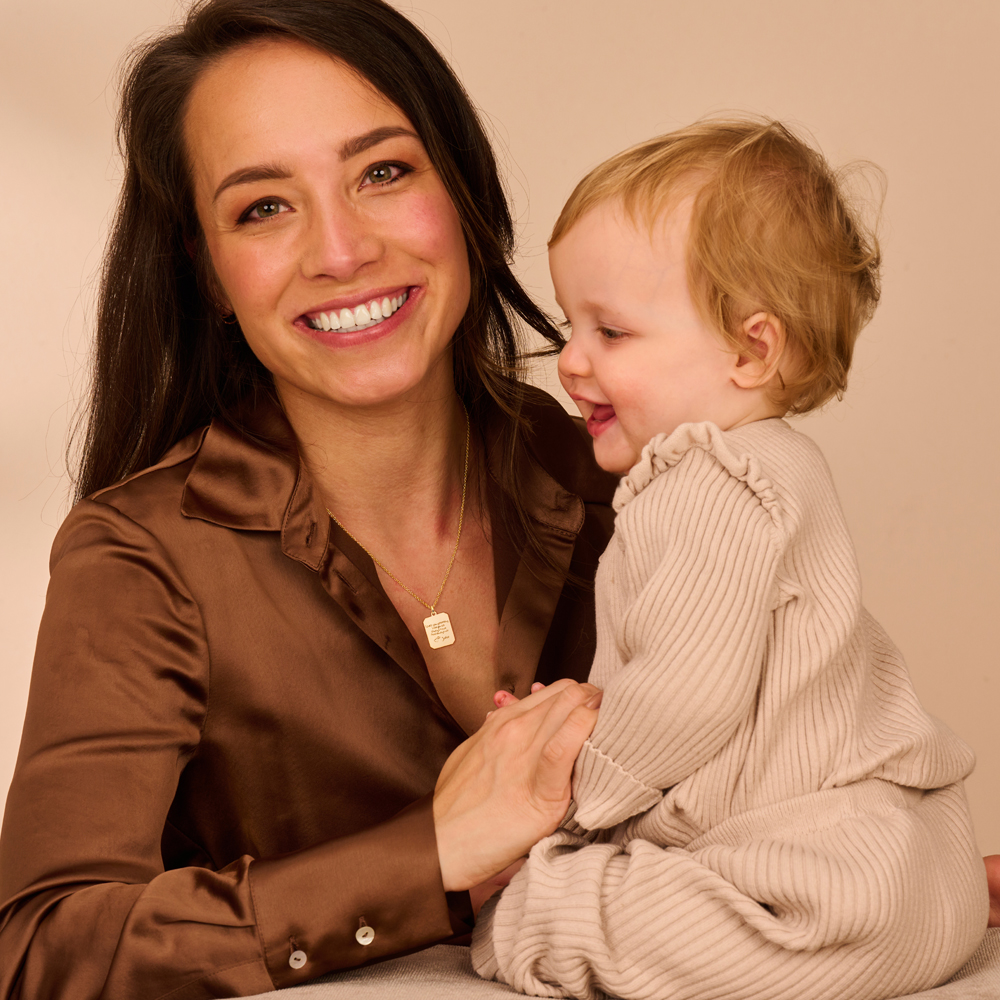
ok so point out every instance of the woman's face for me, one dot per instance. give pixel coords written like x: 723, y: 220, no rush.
x: 332, y: 235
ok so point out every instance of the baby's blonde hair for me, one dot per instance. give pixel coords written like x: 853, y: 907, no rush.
x: 770, y: 230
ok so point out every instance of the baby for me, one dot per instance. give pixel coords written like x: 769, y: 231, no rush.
x: 764, y: 810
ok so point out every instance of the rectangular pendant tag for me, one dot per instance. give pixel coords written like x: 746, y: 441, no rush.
x: 438, y: 629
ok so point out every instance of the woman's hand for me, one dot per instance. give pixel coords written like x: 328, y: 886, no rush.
x: 508, y: 785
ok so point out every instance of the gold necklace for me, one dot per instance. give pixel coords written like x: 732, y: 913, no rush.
x: 436, y: 625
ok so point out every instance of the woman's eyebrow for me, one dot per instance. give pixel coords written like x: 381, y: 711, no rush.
x: 247, y: 175
x: 362, y: 142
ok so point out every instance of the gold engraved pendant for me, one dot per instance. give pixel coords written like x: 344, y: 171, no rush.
x: 439, y: 630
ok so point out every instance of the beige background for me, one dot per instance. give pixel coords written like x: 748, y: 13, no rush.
x: 910, y: 84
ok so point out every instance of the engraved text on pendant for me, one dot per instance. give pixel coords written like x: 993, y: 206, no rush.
x: 439, y: 631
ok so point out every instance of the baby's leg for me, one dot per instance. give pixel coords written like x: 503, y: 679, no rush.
x: 867, y: 907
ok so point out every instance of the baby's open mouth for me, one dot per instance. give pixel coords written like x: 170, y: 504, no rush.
x: 360, y: 317
x: 600, y: 418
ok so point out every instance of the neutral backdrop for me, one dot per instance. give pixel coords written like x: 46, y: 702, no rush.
x: 913, y: 85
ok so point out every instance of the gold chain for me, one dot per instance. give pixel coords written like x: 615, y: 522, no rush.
x: 461, y: 517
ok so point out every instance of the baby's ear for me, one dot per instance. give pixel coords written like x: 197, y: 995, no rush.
x: 764, y: 337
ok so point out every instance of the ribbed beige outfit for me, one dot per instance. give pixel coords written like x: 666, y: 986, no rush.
x: 781, y: 819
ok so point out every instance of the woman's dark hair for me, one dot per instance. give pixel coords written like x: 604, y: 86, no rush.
x: 166, y: 362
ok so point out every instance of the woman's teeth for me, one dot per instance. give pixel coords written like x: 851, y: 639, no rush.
x: 360, y: 317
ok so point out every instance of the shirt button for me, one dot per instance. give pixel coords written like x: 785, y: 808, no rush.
x: 365, y: 935
x: 297, y: 959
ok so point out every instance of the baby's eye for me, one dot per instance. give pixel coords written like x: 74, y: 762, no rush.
x: 384, y: 173
x: 611, y: 335
x: 266, y: 208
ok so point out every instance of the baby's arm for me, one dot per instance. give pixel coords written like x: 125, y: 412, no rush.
x: 698, y: 556
x: 700, y: 551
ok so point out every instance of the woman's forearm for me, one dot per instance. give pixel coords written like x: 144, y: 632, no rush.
x: 252, y: 927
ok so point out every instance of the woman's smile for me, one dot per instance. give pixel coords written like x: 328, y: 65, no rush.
x: 374, y: 310
x: 344, y: 324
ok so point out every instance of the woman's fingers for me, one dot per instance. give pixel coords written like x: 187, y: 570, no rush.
x: 549, y: 713
x: 559, y: 753
x: 545, y: 693
x: 509, y: 785
x: 556, y: 721
x: 503, y: 697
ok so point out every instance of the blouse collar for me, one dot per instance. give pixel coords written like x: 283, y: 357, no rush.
x: 252, y: 479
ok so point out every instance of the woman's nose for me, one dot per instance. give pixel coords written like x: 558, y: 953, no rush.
x: 341, y: 241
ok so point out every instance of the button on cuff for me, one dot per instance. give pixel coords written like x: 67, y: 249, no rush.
x: 297, y: 959
x: 365, y: 935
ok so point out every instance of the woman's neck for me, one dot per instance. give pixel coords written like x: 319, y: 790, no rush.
x: 388, y: 471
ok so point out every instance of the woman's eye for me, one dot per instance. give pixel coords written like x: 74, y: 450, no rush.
x: 384, y: 173
x: 267, y: 208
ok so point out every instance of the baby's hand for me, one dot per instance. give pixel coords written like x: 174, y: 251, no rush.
x: 504, y: 697
x: 482, y: 892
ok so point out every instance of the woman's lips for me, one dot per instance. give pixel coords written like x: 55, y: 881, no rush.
x: 600, y: 419
x: 364, y: 332
x: 366, y: 314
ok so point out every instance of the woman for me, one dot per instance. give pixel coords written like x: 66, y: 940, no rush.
x: 322, y: 522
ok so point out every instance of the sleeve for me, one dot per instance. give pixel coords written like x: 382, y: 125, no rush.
x: 118, y: 696
x: 696, y: 583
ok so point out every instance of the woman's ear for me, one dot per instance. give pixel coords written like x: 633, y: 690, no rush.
x: 757, y: 363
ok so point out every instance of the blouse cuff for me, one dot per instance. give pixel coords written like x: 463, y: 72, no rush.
x: 461, y: 916
x: 353, y: 900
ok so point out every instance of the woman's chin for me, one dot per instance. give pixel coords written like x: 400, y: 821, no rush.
x: 390, y: 381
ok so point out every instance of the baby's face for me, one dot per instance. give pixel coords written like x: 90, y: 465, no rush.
x: 641, y: 360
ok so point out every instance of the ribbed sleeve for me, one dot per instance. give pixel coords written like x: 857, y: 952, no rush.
x: 773, y: 816
x: 699, y: 542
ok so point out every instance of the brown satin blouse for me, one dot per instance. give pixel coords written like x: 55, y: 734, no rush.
x: 232, y: 739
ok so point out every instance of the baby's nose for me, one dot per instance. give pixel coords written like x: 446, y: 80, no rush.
x: 572, y: 363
